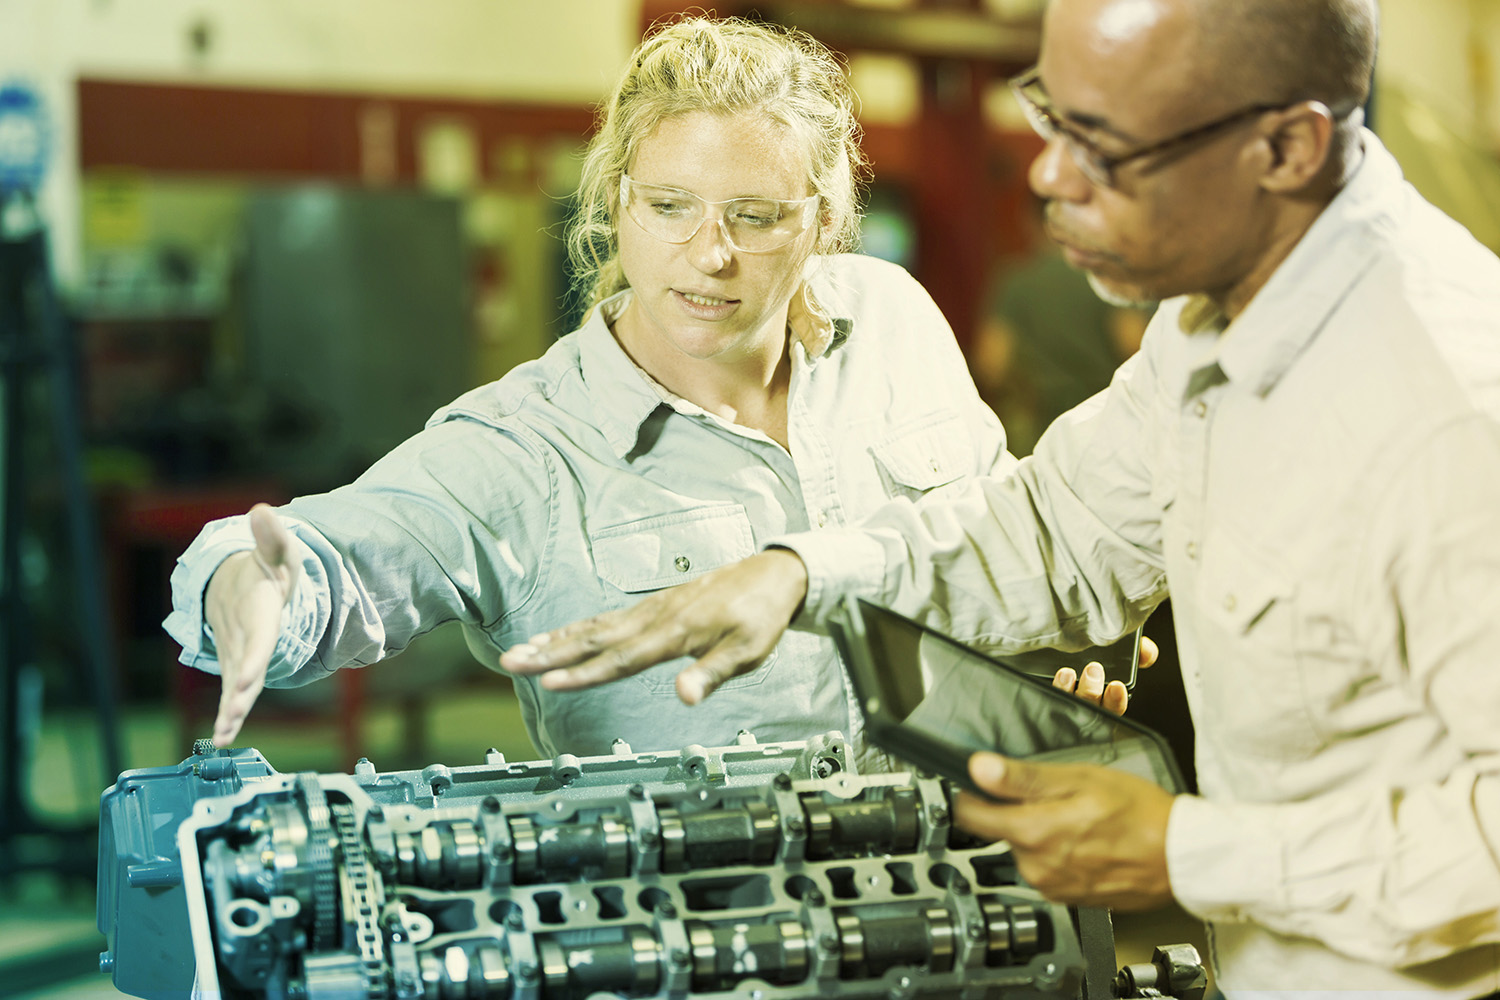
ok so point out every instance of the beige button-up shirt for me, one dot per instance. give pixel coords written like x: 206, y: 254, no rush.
x: 1318, y: 486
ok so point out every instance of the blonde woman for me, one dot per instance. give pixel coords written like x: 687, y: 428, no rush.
x: 737, y: 377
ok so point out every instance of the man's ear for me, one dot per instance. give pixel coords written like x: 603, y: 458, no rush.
x: 1300, y: 141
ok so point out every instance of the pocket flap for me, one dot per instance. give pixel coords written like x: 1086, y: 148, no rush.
x: 927, y: 456
x: 1240, y: 588
x: 667, y: 549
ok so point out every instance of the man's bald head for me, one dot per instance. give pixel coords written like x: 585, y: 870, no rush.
x: 1189, y: 58
x: 1285, y: 51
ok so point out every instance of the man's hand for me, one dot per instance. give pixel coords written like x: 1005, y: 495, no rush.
x: 729, y: 619
x: 1090, y: 684
x: 1081, y: 834
x: 242, y: 605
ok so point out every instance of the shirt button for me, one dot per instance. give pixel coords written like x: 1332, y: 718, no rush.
x: 683, y: 564
x: 822, y: 518
x: 1192, y: 550
x: 934, y: 463
x: 1200, y: 409
x: 1229, y: 602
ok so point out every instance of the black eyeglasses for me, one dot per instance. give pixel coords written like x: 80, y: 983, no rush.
x: 1095, y: 164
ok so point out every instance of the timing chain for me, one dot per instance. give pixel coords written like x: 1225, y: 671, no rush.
x: 320, y: 863
x: 364, y: 896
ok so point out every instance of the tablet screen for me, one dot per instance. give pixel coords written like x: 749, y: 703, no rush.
x: 932, y: 700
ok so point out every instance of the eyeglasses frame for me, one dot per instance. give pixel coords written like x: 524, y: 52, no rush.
x: 803, y: 203
x: 1095, y: 164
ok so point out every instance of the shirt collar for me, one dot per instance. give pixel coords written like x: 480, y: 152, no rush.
x: 818, y: 320
x: 623, y: 397
x: 1261, y: 344
x: 626, y: 395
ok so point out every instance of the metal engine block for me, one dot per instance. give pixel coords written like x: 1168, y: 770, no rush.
x: 765, y: 871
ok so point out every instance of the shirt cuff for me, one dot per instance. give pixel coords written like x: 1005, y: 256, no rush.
x: 840, y: 562
x: 1223, y: 859
x: 195, y: 567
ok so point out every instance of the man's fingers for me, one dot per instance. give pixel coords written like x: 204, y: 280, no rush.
x: 984, y: 818
x: 1116, y: 698
x: 604, y: 637
x: 731, y: 618
x: 1148, y: 654
x: 616, y: 645
x: 1018, y: 797
x: 610, y: 665
x: 594, y: 633
x: 1007, y: 778
x: 1079, y: 833
x: 712, y: 669
x: 1091, y: 687
x: 1091, y: 683
x: 989, y: 771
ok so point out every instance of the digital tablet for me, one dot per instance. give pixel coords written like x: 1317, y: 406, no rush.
x: 932, y: 701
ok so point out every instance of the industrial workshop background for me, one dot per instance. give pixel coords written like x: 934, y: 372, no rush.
x: 279, y: 234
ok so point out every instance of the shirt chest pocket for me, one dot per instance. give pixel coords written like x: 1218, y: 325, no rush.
x: 921, y: 457
x: 668, y: 549
x: 1253, y: 673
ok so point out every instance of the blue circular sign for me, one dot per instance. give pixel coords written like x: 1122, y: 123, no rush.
x: 25, y: 138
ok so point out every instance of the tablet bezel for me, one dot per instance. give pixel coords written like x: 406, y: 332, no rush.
x: 920, y: 748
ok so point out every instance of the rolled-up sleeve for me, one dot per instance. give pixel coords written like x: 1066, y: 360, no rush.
x: 452, y: 525
x: 1034, y: 555
x: 299, y: 619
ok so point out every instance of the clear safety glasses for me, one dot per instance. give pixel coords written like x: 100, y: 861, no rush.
x: 751, y: 225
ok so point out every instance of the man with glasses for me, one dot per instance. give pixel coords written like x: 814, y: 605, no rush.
x: 1305, y: 453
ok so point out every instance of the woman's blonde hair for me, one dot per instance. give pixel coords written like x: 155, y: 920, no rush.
x: 722, y: 66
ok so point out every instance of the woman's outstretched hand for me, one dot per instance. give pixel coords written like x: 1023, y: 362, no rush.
x: 242, y: 606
